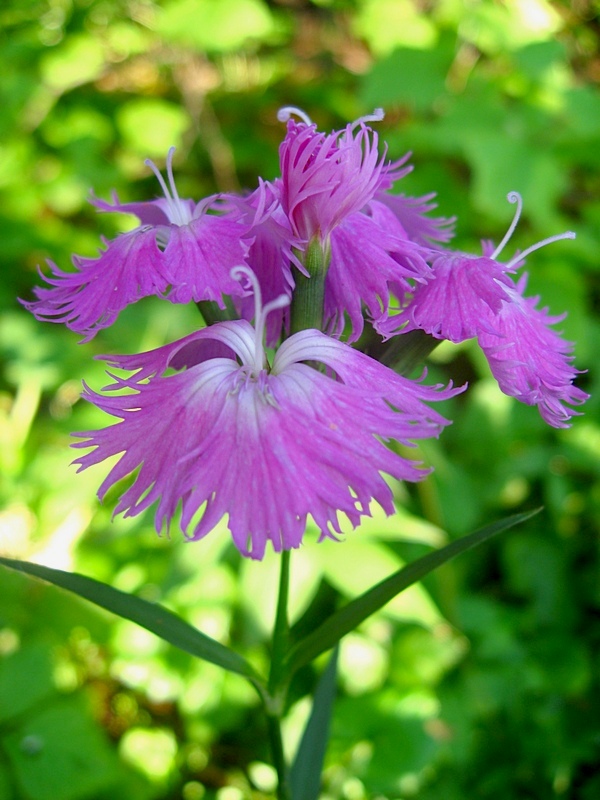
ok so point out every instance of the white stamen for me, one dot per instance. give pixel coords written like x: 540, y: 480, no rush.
x: 174, y: 192
x: 377, y: 115
x: 515, y: 197
x: 543, y: 243
x: 260, y: 313
x: 512, y: 197
x: 287, y: 112
x: 177, y: 212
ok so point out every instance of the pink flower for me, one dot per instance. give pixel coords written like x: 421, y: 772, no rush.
x: 369, y: 255
x: 530, y: 360
x: 469, y: 296
x: 455, y: 301
x: 325, y: 178
x: 332, y: 188
x: 178, y: 251
x: 267, y: 445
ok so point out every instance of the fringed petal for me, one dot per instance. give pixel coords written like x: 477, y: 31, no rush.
x: 267, y: 450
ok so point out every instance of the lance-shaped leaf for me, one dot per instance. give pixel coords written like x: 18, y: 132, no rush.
x: 305, y: 775
x: 153, y: 617
x: 351, y: 615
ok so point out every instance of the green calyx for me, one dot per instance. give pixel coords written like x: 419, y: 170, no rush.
x: 307, y: 301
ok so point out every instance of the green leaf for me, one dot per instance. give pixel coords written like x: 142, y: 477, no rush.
x: 215, y: 25
x: 305, y: 774
x: 155, y: 618
x: 425, y: 74
x: 350, y: 616
x: 150, y: 125
x: 6, y: 791
x: 25, y: 680
x: 60, y: 754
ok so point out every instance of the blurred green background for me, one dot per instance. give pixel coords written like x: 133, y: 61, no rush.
x: 484, y: 682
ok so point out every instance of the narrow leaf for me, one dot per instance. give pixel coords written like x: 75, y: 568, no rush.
x: 351, y: 615
x: 305, y: 775
x: 153, y: 617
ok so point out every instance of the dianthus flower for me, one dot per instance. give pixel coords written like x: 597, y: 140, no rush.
x: 470, y: 296
x: 178, y: 251
x: 267, y: 445
x: 325, y: 178
x: 333, y: 189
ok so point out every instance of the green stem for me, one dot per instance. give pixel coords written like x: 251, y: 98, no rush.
x: 275, y: 740
x: 211, y: 312
x: 281, y: 630
x: 278, y: 680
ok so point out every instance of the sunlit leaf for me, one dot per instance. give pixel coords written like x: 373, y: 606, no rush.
x: 350, y: 616
x: 151, y: 126
x: 155, y: 618
x: 215, y: 25
x: 79, y: 60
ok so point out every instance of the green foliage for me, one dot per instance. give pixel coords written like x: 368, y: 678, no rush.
x: 482, y: 683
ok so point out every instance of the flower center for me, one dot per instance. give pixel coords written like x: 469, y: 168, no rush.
x: 178, y: 211
x: 515, y: 197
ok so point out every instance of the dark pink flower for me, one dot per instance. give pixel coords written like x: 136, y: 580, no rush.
x: 332, y: 188
x: 325, y: 178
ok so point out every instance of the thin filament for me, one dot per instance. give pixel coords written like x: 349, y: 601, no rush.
x: 260, y: 312
x: 177, y: 212
x: 174, y: 192
x: 377, y: 115
x: 543, y: 243
x: 512, y: 197
x: 285, y: 113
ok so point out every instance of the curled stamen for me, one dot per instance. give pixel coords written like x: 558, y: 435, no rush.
x: 260, y: 312
x: 512, y: 197
x: 543, y: 243
x: 285, y: 113
x: 515, y: 197
x: 178, y: 213
x: 377, y: 115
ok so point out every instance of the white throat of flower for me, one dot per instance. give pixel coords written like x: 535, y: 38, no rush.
x: 177, y: 211
x: 515, y: 197
x: 256, y: 347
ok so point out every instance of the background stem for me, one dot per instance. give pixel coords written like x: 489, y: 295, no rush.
x: 278, y: 680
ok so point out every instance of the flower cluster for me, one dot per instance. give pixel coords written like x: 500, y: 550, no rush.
x: 214, y: 424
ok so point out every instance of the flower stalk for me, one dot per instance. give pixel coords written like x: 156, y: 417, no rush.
x: 278, y: 679
x: 309, y: 293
